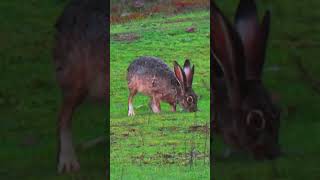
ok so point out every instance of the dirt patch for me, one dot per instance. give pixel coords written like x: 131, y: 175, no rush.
x: 169, y: 158
x: 126, y: 37
x: 171, y: 129
x: 131, y: 131
x: 199, y: 128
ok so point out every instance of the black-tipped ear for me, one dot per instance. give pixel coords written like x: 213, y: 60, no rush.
x: 186, y: 63
x: 228, y: 52
x: 253, y: 37
x: 181, y: 77
x: 188, y: 72
x: 248, y: 9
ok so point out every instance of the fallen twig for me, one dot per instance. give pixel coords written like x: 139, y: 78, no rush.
x: 93, y: 142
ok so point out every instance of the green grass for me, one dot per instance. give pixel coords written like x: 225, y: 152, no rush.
x: 30, y: 98
x: 158, y: 146
x: 294, y: 32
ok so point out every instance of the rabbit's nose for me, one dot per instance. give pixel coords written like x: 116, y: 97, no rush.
x: 194, y: 109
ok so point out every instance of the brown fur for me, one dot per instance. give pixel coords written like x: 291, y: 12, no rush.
x: 243, y: 111
x: 152, y: 77
x: 80, y: 58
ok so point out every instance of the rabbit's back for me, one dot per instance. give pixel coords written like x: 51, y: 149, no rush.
x: 151, y: 76
x: 80, y: 47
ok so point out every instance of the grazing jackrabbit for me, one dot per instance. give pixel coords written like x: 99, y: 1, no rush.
x: 152, y: 77
x: 81, y: 65
x: 243, y: 111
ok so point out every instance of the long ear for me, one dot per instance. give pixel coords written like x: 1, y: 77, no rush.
x: 188, y: 72
x: 228, y: 52
x: 254, y: 37
x: 181, y: 77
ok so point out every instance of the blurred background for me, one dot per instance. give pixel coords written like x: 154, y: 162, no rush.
x: 125, y: 10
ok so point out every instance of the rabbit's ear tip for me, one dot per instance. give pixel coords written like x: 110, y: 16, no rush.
x: 187, y: 62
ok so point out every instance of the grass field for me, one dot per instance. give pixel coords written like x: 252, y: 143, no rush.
x: 29, y: 98
x: 166, y: 145
x: 294, y: 34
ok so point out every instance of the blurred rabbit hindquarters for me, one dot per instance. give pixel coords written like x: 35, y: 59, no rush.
x: 152, y: 77
x: 243, y: 111
x: 80, y: 59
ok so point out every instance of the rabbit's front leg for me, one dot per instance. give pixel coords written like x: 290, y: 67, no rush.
x: 67, y: 160
x: 130, y: 100
x: 155, y: 104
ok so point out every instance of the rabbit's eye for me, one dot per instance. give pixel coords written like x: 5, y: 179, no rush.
x: 189, y: 99
x: 256, y: 118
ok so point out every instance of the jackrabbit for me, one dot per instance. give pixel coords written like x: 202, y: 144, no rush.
x: 152, y: 77
x: 81, y: 66
x: 243, y: 111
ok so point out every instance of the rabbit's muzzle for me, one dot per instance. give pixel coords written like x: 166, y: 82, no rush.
x: 193, y: 109
x: 262, y: 151
x: 189, y: 102
x: 263, y: 136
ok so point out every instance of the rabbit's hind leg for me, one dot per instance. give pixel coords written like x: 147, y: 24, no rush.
x: 155, y: 104
x: 173, y: 107
x: 132, y: 93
